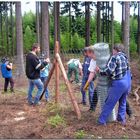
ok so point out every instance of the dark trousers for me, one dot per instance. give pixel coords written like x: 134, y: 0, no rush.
x: 7, y: 81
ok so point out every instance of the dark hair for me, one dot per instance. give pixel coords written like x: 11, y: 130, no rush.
x: 35, y: 46
x: 119, y: 47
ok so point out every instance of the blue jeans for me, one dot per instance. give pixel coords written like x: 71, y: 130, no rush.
x: 90, y: 91
x: 44, y: 79
x: 40, y: 87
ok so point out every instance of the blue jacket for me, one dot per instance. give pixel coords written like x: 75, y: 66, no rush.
x: 5, y: 72
x: 86, y: 66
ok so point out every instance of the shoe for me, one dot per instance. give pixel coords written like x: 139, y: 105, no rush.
x: 37, y: 104
x: 31, y: 103
x: 102, y: 124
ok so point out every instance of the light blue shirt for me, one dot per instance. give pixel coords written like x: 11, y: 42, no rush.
x: 45, y: 71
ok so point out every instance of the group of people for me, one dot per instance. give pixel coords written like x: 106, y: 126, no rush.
x: 118, y: 70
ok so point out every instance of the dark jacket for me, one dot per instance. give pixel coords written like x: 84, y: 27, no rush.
x: 33, y: 66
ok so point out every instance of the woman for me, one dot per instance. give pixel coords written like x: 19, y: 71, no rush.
x: 117, y: 69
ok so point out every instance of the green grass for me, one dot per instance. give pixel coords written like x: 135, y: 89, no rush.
x: 56, y: 121
x: 80, y: 134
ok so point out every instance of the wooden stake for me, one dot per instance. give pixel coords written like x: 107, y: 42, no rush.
x: 56, y: 74
x: 49, y: 78
x: 74, y: 102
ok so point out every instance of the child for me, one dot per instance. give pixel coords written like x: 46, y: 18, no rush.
x: 86, y: 73
x: 91, y: 77
x: 44, y: 76
x: 75, y: 66
x: 6, y: 69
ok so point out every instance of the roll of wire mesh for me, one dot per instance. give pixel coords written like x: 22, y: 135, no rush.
x: 102, y: 53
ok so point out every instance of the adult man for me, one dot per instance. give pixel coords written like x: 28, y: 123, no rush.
x: 75, y: 66
x: 117, y: 69
x: 33, y: 67
x: 86, y: 73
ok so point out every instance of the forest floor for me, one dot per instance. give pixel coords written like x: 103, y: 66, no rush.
x: 19, y: 120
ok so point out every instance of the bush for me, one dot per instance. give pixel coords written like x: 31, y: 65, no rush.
x: 80, y: 134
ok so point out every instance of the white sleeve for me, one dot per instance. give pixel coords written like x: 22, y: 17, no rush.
x: 80, y: 65
x: 92, y: 66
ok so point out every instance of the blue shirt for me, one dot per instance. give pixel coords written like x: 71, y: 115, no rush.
x: 117, y: 66
x: 45, y: 72
x: 86, y: 65
x: 5, y: 72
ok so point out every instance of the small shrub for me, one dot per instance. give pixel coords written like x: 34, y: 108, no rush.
x: 80, y: 134
x: 56, y: 121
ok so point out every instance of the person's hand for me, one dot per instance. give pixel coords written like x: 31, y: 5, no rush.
x: 47, y: 60
x: 10, y: 64
x: 97, y: 69
x: 86, y: 86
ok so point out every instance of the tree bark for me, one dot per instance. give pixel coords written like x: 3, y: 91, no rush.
x: 7, y: 33
x: 12, y: 31
x: 87, y: 20
x: 112, y: 24
x: 69, y: 24
x: 138, y: 44
x: 123, y: 20
x: 37, y: 22
x: 56, y: 22
x: 45, y: 28
x: 127, y: 28
x: 98, y: 21
x: 19, y: 40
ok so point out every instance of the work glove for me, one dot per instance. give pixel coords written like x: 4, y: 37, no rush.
x: 86, y: 86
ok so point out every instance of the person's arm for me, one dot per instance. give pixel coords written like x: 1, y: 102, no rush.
x: 38, y: 65
x: 92, y: 69
x: 9, y: 66
x: 111, y: 66
x: 80, y: 68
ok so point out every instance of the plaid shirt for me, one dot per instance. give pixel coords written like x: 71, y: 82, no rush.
x: 117, y: 66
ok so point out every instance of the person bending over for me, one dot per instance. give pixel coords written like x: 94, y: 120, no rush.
x: 74, y: 66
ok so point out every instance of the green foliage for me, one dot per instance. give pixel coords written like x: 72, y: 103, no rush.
x: 29, y: 39
x: 56, y: 121
x: 77, y: 42
x: 80, y: 134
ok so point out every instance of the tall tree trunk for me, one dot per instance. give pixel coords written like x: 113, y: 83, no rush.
x: 1, y: 29
x: 87, y: 20
x: 7, y: 33
x: 69, y: 24
x: 56, y: 21
x: 123, y: 20
x: 127, y: 28
x: 98, y: 21
x: 112, y: 24
x: 37, y: 22
x: 12, y: 31
x: 138, y: 43
x: 45, y: 28
x: 19, y: 40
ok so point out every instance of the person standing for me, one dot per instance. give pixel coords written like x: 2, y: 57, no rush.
x: 6, y: 69
x: 33, y: 67
x: 117, y: 68
x: 86, y: 73
x: 44, y: 76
